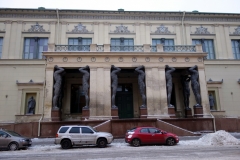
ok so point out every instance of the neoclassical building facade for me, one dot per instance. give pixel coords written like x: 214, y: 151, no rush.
x: 34, y: 41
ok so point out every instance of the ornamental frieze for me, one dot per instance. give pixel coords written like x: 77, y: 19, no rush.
x: 36, y: 28
x: 119, y: 17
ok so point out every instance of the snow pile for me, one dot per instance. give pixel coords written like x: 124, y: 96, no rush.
x: 219, y: 138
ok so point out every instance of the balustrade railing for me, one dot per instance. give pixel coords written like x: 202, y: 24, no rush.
x: 126, y: 48
x: 179, y: 48
x: 72, y: 48
x: 135, y: 48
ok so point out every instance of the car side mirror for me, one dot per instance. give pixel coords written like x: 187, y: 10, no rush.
x: 5, y: 135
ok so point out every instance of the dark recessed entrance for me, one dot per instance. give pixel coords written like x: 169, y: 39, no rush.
x: 77, y: 98
x: 124, y: 101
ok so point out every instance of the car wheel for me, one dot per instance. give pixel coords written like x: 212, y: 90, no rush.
x: 13, y: 146
x: 66, y: 144
x: 170, y: 141
x: 102, y: 143
x: 136, y: 142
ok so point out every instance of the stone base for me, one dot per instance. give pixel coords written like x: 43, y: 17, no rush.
x: 198, y: 111
x: 85, y: 113
x: 143, y: 112
x: 188, y: 113
x: 114, y: 113
x: 171, y: 112
x: 56, y: 115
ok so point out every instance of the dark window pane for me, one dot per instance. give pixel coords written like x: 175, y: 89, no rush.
x: 63, y: 129
x: 86, y: 130
x: 75, y: 130
x: 144, y: 130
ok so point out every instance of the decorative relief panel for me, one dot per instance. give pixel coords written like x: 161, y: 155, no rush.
x: 201, y: 30
x: 162, y: 30
x: 237, y: 31
x: 80, y: 29
x: 121, y: 29
x: 36, y: 28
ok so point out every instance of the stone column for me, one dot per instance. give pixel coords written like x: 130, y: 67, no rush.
x: 92, y: 92
x: 18, y: 53
x: 48, y: 94
x: 188, y: 34
x: 6, y: 42
x: 227, y: 42
x: 142, y: 34
x: 63, y: 30
x: 52, y: 32
x: 204, y: 92
x: 219, y: 47
x: 163, y: 92
x: 138, y: 36
x: 147, y: 32
x: 178, y: 34
x: 95, y: 30
x: 106, y: 33
x: 100, y: 34
x: 107, y: 91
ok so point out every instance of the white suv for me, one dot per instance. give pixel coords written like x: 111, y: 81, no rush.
x: 69, y: 136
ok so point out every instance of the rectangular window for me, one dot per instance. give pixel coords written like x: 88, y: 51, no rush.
x: 33, y: 47
x: 1, y: 44
x: 236, y: 49
x: 79, y: 44
x: 207, y: 46
x: 122, y: 44
x: 165, y: 42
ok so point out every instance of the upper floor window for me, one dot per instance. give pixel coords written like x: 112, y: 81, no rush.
x: 33, y: 47
x: 1, y: 44
x: 122, y: 44
x: 207, y: 46
x: 79, y: 44
x: 236, y: 49
x: 165, y: 42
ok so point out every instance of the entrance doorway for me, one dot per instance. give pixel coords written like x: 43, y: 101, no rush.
x: 77, y: 98
x: 124, y: 100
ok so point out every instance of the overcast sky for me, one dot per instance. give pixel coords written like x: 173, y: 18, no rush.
x: 219, y: 6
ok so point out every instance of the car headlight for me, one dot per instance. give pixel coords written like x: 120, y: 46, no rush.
x: 23, y: 140
x: 130, y: 136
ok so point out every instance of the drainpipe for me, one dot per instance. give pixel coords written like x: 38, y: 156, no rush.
x: 183, y: 32
x: 57, y: 24
x: 214, y: 124
x: 44, y: 86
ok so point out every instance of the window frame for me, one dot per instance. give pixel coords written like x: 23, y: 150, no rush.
x: 235, y: 49
x: 1, y: 46
x: 205, y: 42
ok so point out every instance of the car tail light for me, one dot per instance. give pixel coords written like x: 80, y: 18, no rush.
x: 56, y: 135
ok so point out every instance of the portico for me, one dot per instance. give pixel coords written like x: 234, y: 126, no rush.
x: 100, y: 59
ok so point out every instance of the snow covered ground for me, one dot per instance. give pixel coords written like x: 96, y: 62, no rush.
x: 218, y: 138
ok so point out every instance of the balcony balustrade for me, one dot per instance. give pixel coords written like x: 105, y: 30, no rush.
x: 135, y: 48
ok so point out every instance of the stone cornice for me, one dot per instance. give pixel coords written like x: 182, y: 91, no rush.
x: 129, y: 16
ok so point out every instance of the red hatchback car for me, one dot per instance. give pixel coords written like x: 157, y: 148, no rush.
x: 150, y: 135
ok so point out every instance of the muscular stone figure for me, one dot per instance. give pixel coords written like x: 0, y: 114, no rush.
x: 31, y: 105
x: 195, y: 85
x: 141, y: 84
x: 86, y: 75
x: 186, y: 90
x: 168, y: 75
x: 114, y: 78
x: 57, y: 86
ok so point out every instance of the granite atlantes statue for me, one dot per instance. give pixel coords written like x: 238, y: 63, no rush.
x: 114, y: 78
x: 168, y: 75
x: 186, y: 90
x: 58, y: 74
x: 195, y: 85
x: 86, y: 75
x: 31, y: 105
x: 141, y: 84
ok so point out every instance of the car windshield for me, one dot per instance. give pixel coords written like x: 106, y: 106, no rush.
x: 94, y: 129
x: 132, y: 130
x: 14, y: 133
